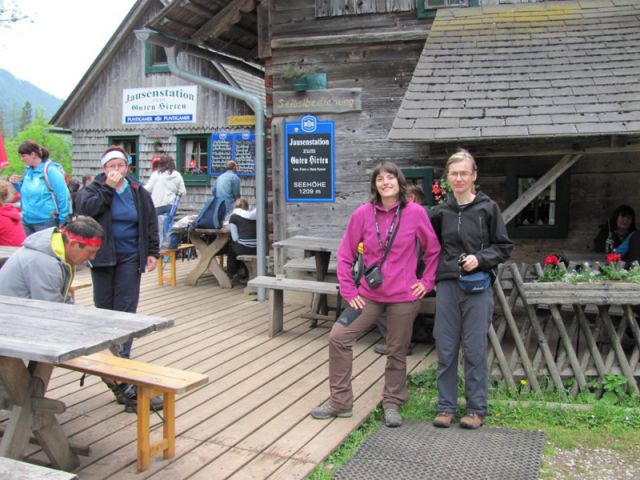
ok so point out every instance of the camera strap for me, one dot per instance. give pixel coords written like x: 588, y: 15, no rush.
x: 391, y: 235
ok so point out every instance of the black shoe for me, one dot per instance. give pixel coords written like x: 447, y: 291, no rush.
x: 116, y: 389
x: 131, y: 399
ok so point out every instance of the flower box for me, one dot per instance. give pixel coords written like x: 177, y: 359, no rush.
x: 597, y: 293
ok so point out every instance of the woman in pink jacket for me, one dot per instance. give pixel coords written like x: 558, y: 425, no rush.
x: 11, y: 231
x: 391, y: 230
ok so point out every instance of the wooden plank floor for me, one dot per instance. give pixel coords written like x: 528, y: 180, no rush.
x: 251, y: 420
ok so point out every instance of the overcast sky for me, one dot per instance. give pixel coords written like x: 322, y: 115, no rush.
x: 56, y: 49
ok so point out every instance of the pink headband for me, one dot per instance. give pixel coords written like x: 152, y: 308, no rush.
x: 89, y: 242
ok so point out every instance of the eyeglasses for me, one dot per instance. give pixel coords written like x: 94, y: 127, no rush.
x: 115, y: 166
x: 462, y: 175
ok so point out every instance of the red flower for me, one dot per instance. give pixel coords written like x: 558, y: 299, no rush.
x: 613, y: 258
x: 551, y: 260
x: 435, y: 188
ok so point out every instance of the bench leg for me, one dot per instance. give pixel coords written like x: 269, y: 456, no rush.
x: 276, y: 298
x: 159, y: 267
x: 172, y: 257
x: 144, y: 412
x: 169, y: 427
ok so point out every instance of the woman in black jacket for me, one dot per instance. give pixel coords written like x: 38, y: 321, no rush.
x: 474, y: 239
x: 130, y: 246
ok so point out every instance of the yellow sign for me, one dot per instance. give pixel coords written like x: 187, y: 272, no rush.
x: 239, y: 120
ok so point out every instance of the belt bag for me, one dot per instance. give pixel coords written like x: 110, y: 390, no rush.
x: 474, y: 282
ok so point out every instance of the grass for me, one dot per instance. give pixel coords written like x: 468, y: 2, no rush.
x: 612, y: 422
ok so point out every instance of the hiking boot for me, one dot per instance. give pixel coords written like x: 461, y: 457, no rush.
x: 472, y: 421
x: 326, y: 410
x: 392, y: 417
x: 381, y: 348
x: 130, y: 395
x: 116, y: 389
x: 443, y: 419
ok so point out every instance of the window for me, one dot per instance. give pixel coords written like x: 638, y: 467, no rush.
x: 424, y: 178
x: 193, y: 159
x: 547, y: 215
x: 428, y: 8
x: 155, y: 59
x: 130, y: 144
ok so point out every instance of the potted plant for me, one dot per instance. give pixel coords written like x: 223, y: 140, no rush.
x: 304, y: 79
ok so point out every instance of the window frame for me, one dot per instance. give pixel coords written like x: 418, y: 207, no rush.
x: 149, y: 65
x: 425, y: 177
x: 560, y: 229
x: 123, y: 141
x: 424, y: 11
x: 191, y: 179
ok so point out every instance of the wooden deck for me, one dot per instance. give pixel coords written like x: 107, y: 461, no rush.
x: 251, y: 420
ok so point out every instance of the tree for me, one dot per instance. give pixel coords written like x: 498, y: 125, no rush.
x: 26, y: 116
x: 9, y: 14
x: 59, y: 146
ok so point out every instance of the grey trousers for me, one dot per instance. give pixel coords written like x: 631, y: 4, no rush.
x: 400, y: 317
x: 462, y: 318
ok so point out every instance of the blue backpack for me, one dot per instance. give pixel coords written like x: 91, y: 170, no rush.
x: 211, y: 215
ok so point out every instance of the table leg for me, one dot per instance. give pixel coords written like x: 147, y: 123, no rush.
x: 206, y: 253
x: 319, y: 301
x: 22, y: 387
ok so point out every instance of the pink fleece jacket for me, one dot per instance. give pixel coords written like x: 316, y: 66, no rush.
x: 399, y: 269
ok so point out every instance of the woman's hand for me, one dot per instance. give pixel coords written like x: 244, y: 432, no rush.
x: 358, y: 303
x: 418, y: 289
x: 114, y: 179
x: 470, y: 263
x: 15, y: 178
x: 151, y: 263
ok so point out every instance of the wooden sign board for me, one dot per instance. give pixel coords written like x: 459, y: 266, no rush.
x: 336, y: 100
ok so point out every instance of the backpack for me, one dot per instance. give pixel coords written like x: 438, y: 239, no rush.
x: 211, y: 215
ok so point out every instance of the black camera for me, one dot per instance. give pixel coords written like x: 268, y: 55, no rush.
x: 462, y: 258
x: 373, y: 276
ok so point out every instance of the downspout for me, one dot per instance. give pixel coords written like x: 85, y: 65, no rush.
x: 172, y: 49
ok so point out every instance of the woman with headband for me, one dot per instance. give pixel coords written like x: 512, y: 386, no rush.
x: 126, y: 212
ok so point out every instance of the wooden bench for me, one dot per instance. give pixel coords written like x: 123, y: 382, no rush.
x: 150, y: 380
x: 277, y: 287
x: 171, y: 253
x: 251, y: 262
x: 77, y: 287
x: 307, y: 264
x: 16, y: 470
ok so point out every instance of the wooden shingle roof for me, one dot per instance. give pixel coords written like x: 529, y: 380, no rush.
x: 553, y: 69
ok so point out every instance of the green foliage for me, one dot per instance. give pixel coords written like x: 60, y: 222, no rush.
x: 587, y: 274
x: 59, y: 146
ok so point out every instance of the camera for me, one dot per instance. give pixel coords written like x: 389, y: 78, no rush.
x: 462, y: 258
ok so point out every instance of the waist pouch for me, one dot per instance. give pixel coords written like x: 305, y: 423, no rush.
x: 474, y: 282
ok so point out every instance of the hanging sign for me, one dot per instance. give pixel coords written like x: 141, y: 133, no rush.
x: 239, y: 147
x: 309, y: 173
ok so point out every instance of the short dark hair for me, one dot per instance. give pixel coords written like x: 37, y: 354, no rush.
x: 415, y: 190
x: 393, y: 169
x: 85, y: 227
x: 166, y: 163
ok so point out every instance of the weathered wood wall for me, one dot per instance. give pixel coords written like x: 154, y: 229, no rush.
x: 383, y: 70
x: 100, y: 114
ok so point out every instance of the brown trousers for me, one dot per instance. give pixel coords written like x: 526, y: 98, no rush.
x: 400, y: 317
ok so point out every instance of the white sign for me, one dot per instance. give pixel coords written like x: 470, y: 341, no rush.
x: 160, y: 104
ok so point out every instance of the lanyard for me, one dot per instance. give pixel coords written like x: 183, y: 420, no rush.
x: 389, y: 239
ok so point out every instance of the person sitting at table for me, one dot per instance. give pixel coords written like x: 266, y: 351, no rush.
x: 614, y: 236
x: 242, y: 225
x: 390, y: 228
x: 43, y: 269
x: 11, y: 230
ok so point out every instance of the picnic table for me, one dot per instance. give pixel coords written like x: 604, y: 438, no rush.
x: 45, y: 334
x: 209, y: 243
x: 319, y: 248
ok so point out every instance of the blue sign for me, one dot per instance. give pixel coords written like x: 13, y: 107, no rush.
x: 158, y: 118
x: 309, y: 174
x: 238, y: 146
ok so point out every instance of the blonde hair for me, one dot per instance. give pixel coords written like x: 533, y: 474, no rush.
x: 460, y: 156
x: 241, y: 203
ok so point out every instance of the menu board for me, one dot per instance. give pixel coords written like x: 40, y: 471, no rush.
x: 240, y: 147
x: 309, y: 160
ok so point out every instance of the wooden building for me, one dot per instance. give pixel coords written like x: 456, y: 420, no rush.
x: 129, y: 97
x: 545, y: 95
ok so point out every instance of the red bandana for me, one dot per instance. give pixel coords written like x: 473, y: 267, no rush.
x: 89, y: 242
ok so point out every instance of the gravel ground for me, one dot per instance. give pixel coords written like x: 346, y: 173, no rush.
x: 592, y: 464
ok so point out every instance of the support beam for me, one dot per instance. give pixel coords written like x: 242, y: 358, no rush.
x: 537, y: 188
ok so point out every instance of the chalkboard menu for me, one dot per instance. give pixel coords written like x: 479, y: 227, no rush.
x: 309, y: 160
x: 240, y: 147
